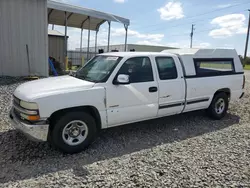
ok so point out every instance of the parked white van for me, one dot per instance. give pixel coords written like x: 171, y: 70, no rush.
x: 123, y: 87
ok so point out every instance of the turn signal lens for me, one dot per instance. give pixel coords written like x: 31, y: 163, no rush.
x: 30, y: 118
x: 33, y: 118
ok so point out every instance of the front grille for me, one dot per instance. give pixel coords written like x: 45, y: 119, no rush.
x: 17, y: 114
x: 16, y: 101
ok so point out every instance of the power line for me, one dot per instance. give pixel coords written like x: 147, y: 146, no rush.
x: 219, y: 9
x: 198, y: 4
x: 190, y: 17
x: 188, y: 23
x: 202, y: 31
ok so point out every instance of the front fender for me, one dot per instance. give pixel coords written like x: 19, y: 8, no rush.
x: 90, y: 97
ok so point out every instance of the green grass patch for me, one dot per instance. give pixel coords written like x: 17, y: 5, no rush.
x: 247, y: 67
x: 216, y: 65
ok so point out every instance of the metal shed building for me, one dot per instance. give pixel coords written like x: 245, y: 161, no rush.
x: 24, y: 32
x: 56, y: 45
x: 23, y: 23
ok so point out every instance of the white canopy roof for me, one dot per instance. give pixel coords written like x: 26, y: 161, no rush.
x: 78, y: 16
x: 55, y: 33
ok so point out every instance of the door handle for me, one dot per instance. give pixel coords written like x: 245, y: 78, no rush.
x: 152, y: 89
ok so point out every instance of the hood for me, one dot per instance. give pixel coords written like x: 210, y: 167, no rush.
x: 50, y: 86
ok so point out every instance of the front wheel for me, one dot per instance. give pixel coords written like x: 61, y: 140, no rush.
x: 219, y: 106
x: 73, y: 132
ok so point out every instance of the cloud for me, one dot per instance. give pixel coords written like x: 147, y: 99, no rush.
x: 223, y: 5
x: 180, y: 44
x: 202, y: 45
x: 119, y: 1
x: 169, y: 44
x: 147, y: 42
x: 172, y: 10
x: 220, y: 33
x: 229, y: 25
x: 117, y: 37
x: 67, y: 1
x: 132, y: 33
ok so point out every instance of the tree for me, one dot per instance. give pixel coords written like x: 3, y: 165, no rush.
x: 246, y: 61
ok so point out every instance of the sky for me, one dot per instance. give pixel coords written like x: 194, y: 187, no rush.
x: 217, y: 23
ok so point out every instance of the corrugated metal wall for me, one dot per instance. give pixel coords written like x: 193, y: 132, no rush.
x: 56, y: 48
x: 23, y: 22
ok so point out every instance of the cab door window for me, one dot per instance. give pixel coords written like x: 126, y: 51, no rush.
x: 139, y: 69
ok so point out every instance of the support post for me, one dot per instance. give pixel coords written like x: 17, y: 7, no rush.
x: 50, y: 12
x: 82, y: 59
x: 66, y: 42
x: 96, y: 33
x: 191, y: 36
x: 88, y: 41
x: 126, y: 37
x: 245, y: 54
x: 109, y: 35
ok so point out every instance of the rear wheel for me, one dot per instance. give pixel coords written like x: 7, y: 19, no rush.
x: 73, y: 132
x: 219, y: 106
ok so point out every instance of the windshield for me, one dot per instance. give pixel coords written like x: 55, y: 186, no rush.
x: 98, y: 69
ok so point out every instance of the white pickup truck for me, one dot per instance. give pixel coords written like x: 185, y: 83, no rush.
x: 124, y: 87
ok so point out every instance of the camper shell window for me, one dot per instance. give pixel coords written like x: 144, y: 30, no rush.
x: 214, y: 67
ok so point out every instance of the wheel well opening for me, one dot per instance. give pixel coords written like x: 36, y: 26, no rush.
x: 88, y: 109
x: 224, y: 90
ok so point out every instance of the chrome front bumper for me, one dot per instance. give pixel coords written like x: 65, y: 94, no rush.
x: 33, y: 132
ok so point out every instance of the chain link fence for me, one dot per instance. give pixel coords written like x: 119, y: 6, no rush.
x: 75, y: 57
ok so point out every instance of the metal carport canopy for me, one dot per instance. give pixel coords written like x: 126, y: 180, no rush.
x: 77, y: 16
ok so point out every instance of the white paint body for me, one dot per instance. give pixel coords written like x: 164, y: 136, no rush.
x: 122, y: 104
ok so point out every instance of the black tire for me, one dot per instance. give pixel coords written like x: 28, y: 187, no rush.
x: 212, y: 108
x: 56, y: 137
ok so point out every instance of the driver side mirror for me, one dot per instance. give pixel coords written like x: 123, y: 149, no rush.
x: 122, y: 79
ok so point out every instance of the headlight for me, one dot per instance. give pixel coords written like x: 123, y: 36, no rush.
x: 29, y: 105
x: 28, y: 110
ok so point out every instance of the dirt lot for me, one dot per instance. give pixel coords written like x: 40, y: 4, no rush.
x: 188, y: 150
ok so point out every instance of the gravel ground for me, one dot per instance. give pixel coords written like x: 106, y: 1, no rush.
x: 188, y: 150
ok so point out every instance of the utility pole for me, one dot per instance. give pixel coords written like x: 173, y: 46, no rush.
x: 191, y: 35
x: 245, y: 55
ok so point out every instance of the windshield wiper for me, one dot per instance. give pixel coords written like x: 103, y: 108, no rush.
x: 91, y: 80
x: 85, y: 78
x: 80, y: 76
